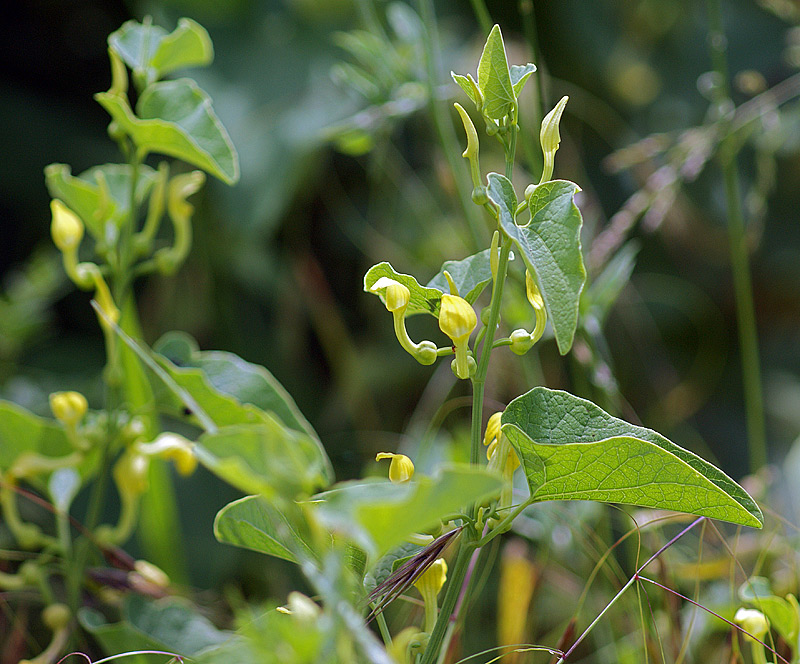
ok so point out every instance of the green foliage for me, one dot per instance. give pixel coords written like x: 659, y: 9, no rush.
x: 573, y: 450
x: 494, y: 79
x: 175, y: 118
x: 550, y: 246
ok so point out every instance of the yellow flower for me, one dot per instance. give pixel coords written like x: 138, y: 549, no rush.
x: 457, y: 319
x: 68, y: 407
x: 401, y: 468
x: 429, y: 584
x: 172, y: 447
x: 66, y: 227
x: 537, y: 302
x: 492, y: 428
x: 396, y: 297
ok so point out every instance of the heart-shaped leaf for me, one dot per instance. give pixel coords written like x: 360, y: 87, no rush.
x: 550, y: 246
x: 255, y: 523
x: 573, y: 450
x: 520, y: 75
x: 151, y: 52
x: 176, y: 118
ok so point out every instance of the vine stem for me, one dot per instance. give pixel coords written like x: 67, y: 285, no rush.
x: 469, y: 536
x: 635, y: 577
x: 740, y: 260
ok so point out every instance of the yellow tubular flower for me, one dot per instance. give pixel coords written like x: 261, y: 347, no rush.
x: 492, y: 428
x: 471, y: 151
x: 396, y: 297
x: 457, y: 319
x: 401, y: 468
x: 429, y: 584
x: 172, y: 447
x: 537, y: 302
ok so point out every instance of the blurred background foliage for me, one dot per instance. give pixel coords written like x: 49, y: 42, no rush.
x: 342, y: 114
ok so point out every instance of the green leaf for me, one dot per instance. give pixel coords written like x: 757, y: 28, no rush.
x: 187, y: 46
x: 470, y: 275
x: 266, y: 458
x: 384, y: 567
x: 150, y: 52
x: 379, y: 515
x: 22, y: 431
x: 169, y: 624
x: 229, y: 390
x: 176, y: 118
x: 100, y: 196
x: 468, y: 85
x: 230, y: 375
x: 520, y: 75
x: 494, y: 78
x: 254, y: 523
x: 573, y: 450
x: 423, y: 300
x: 550, y: 246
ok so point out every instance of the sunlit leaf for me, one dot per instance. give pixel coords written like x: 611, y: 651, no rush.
x: 573, y: 450
x: 494, y: 78
x: 423, y: 300
x: 176, y: 118
x: 520, y: 75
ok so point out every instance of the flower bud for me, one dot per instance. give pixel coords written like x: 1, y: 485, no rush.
x: 172, y: 447
x: 56, y: 616
x: 493, y: 427
x: 426, y: 353
x: 66, y: 227
x: 151, y: 573
x: 432, y: 579
x: 68, y: 407
x: 537, y: 302
x: 301, y: 607
x: 401, y: 468
x: 521, y: 341
x: 130, y: 473
x: 396, y: 296
x: 752, y: 621
x: 550, y: 137
x: 457, y: 319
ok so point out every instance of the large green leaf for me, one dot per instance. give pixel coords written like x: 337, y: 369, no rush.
x: 573, y: 450
x: 494, y: 78
x: 150, y: 52
x: 230, y: 391
x: 22, y: 431
x: 254, y: 523
x: 266, y: 458
x: 169, y: 624
x: 100, y: 196
x: 470, y: 275
x: 423, y: 300
x: 379, y: 515
x: 229, y: 375
x: 176, y: 118
x: 550, y: 246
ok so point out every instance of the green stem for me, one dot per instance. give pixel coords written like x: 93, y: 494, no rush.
x: 469, y: 536
x: 740, y: 260
x: 502, y: 526
x: 482, y: 14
